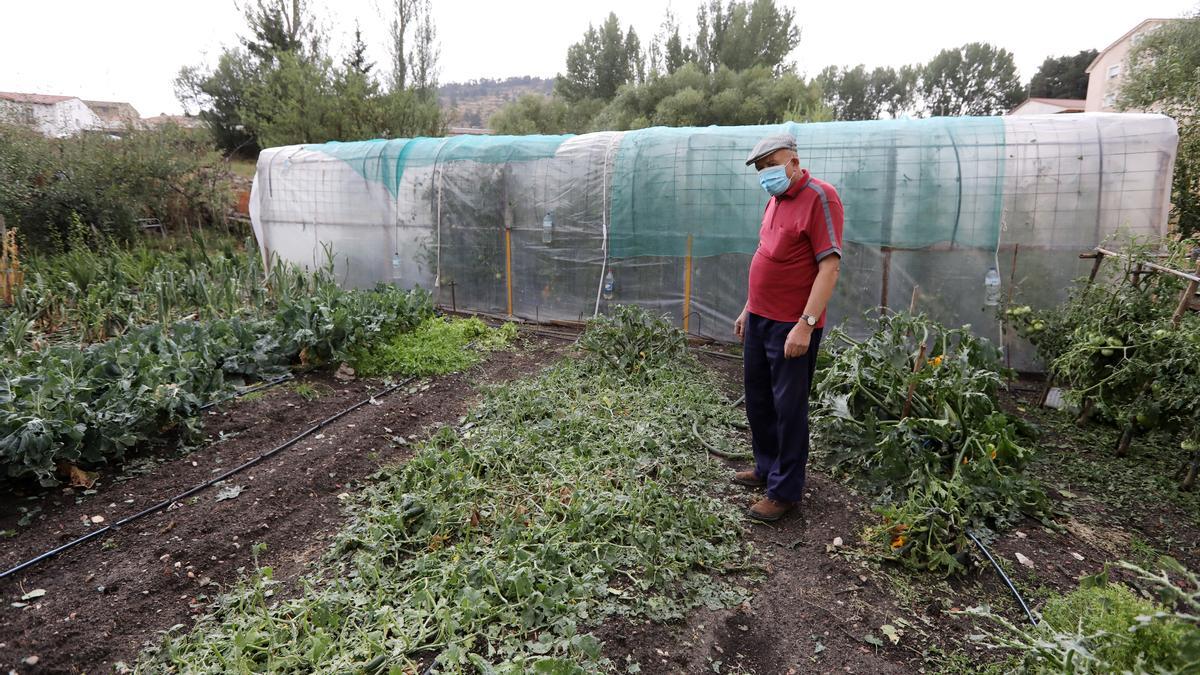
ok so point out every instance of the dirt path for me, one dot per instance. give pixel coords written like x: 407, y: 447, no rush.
x: 106, y: 598
x: 821, y: 607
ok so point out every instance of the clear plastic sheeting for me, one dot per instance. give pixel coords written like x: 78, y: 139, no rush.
x: 532, y: 225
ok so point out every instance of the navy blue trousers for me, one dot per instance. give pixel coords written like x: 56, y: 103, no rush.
x: 777, y: 405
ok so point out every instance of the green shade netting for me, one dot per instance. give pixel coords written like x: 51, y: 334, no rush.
x: 384, y: 161
x: 904, y: 183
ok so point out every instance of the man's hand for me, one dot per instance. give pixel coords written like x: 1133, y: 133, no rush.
x: 797, y: 341
x: 739, y: 327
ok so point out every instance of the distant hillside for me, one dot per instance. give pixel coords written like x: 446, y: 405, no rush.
x: 470, y: 104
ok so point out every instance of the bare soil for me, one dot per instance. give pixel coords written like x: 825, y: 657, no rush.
x: 105, y: 599
x: 820, y: 599
x: 820, y: 607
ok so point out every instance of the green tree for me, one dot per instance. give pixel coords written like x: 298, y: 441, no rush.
x: 1062, y: 76
x: 975, y: 79
x: 280, y: 87
x: 220, y: 96
x: 849, y: 93
x: 539, y: 114
x: 690, y: 96
x: 356, y: 61
x: 278, y: 26
x: 745, y: 33
x: 293, y: 103
x: 668, y: 52
x: 896, y: 89
x: 531, y: 114
x: 855, y: 94
x: 601, y: 62
x: 1163, y: 75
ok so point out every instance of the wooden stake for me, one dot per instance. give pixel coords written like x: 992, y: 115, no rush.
x: 912, y: 386
x: 687, y: 285
x: 887, y: 276
x: 1185, y: 300
x: 1012, y: 276
x: 1046, y: 390
x: 1095, y: 266
x: 508, y: 266
x: 912, y: 304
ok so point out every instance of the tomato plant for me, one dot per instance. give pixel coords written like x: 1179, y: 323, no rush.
x: 910, y: 412
x: 1116, y: 346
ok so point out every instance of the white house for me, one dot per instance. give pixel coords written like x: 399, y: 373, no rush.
x: 1049, y: 106
x: 54, y: 116
x: 1107, y: 70
x: 115, y: 116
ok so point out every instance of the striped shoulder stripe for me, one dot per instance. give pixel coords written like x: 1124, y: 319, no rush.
x: 812, y: 185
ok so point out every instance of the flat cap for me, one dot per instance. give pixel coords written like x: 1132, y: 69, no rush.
x: 770, y: 144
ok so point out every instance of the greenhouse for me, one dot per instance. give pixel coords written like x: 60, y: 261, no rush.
x: 563, y: 227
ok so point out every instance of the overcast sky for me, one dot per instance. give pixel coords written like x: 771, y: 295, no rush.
x: 131, y: 50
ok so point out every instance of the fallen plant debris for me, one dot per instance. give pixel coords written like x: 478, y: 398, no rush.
x: 910, y: 414
x: 559, y: 501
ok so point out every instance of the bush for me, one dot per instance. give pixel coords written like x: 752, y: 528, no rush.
x: 633, y: 341
x: 1111, y: 611
x: 106, y: 184
x: 438, y: 346
x: 1104, y: 627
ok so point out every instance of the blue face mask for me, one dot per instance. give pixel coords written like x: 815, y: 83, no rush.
x: 774, y: 180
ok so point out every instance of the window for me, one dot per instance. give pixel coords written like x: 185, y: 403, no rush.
x: 1110, y: 100
x: 1114, y: 70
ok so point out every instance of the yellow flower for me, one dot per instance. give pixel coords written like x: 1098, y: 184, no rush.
x: 935, y: 361
x: 898, y: 541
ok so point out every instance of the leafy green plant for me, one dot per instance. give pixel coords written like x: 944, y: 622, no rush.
x: 50, y: 185
x: 562, y: 500
x: 1104, y: 627
x: 438, y: 346
x: 633, y: 341
x: 910, y: 413
x: 60, y: 403
x: 307, y: 391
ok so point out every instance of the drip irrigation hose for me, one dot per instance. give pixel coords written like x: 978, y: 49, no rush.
x: 209, y: 483
x: 1004, y: 576
x: 715, y: 450
x: 721, y: 355
x: 250, y: 390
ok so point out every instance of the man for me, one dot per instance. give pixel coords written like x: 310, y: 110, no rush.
x: 792, y: 277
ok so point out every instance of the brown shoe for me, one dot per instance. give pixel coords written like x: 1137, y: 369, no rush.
x: 769, y: 510
x: 749, y: 479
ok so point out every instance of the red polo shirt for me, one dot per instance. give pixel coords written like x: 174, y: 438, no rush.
x: 799, y: 228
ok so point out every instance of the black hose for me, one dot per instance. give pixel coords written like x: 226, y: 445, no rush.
x: 267, y: 384
x: 184, y: 495
x: 715, y: 450
x: 1004, y: 576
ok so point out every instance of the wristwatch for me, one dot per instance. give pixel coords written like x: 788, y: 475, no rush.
x: 810, y: 320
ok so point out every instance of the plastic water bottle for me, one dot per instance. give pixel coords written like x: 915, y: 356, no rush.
x: 548, y: 227
x: 991, y: 287
x: 609, y: 285
x: 395, y: 265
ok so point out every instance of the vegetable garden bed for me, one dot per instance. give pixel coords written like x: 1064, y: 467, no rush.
x: 575, y: 518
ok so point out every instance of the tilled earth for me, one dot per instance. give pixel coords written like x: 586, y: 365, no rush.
x: 105, y: 599
x: 819, y: 602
